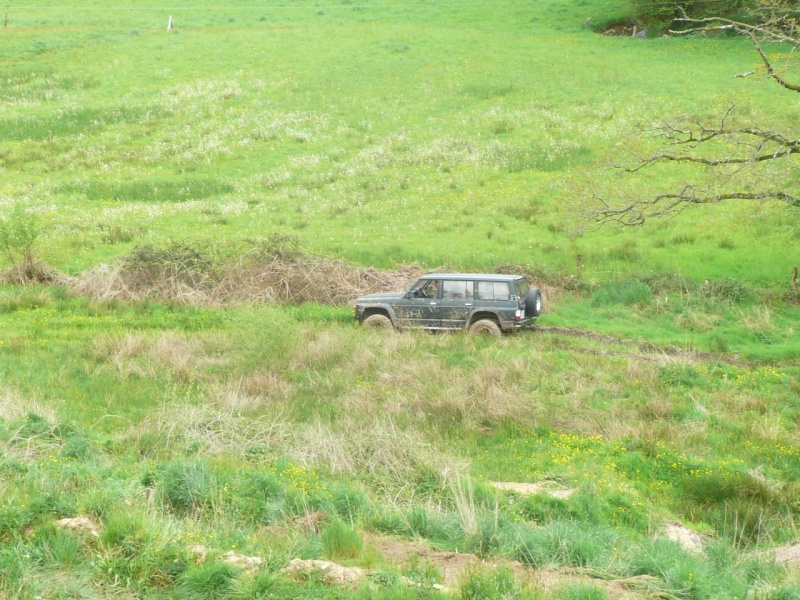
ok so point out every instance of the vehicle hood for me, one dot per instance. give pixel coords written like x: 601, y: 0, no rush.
x: 380, y: 297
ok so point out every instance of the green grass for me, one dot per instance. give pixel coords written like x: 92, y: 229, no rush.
x: 451, y: 135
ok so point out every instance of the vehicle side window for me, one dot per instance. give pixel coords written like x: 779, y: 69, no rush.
x: 493, y: 290
x: 425, y: 288
x: 457, y: 290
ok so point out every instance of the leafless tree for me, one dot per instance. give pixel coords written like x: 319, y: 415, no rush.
x: 731, y: 158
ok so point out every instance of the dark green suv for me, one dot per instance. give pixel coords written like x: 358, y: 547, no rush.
x: 479, y: 303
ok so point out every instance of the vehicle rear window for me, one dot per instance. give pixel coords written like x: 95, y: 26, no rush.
x: 493, y: 290
x: 521, y: 287
x: 457, y: 290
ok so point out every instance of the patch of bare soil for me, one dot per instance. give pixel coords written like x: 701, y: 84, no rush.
x: 249, y: 564
x: 624, y: 28
x: 631, y: 588
x: 79, y: 524
x: 646, y: 351
x: 455, y: 565
x: 452, y: 565
x: 688, y: 539
x: 788, y: 555
x: 549, y: 487
x: 331, y: 573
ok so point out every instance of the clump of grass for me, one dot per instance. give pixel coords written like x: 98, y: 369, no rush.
x: 496, y: 583
x: 187, y: 486
x: 339, y: 541
x: 628, y: 292
x: 565, y: 544
x: 208, y: 581
x: 580, y: 591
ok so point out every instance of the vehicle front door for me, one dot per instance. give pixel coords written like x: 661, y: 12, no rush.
x: 419, y: 307
x: 456, y: 303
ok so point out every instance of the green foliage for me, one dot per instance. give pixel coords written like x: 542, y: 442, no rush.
x: 661, y: 15
x: 19, y: 232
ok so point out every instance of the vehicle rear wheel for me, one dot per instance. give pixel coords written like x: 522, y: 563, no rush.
x: 378, y: 322
x: 485, y: 327
x: 533, y: 303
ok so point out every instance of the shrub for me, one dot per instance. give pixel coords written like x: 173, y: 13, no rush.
x: 18, y: 234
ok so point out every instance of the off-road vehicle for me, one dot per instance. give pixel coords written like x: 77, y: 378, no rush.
x: 479, y: 303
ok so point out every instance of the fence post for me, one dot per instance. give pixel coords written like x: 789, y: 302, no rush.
x: 580, y: 266
x: 169, y: 23
x: 794, y: 278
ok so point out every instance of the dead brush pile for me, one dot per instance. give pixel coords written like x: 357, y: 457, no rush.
x: 271, y: 271
x: 33, y: 272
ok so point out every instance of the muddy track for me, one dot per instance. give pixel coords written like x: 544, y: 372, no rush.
x: 645, y: 350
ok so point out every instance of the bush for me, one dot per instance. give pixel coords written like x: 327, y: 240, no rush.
x: 18, y: 234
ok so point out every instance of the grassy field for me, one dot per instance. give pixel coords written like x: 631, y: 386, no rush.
x: 661, y: 387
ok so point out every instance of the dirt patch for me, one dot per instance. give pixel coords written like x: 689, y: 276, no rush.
x: 455, y: 565
x: 624, y: 28
x: 250, y: 564
x: 551, y: 580
x: 331, y: 573
x: 80, y: 524
x: 647, y: 351
x: 788, y: 555
x: 551, y: 488
x: 688, y: 539
x: 452, y: 565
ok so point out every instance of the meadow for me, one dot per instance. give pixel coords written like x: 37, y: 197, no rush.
x: 661, y: 386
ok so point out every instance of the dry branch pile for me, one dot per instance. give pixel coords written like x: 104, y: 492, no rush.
x: 187, y: 275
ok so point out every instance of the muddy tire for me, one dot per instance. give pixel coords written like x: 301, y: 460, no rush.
x: 485, y: 327
x: 533, y: 303
x: 378, y: 322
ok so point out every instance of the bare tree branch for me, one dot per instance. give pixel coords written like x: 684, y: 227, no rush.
x: 640, y: 210
x: 734, y: 152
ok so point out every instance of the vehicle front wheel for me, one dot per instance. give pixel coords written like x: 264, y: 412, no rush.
x: 485, y: 327
x: 378, y: 322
